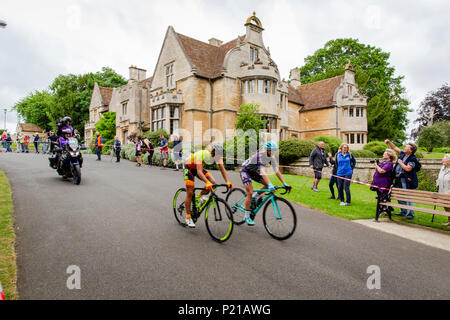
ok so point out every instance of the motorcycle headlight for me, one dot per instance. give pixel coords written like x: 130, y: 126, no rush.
x: 74, y: 154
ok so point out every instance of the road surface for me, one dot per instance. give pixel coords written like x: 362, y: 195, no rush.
x: 119, y: 229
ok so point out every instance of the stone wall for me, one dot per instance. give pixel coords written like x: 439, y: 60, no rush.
x: 364, y: 170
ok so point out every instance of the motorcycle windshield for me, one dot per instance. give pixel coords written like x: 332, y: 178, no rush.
x: 73, y: 144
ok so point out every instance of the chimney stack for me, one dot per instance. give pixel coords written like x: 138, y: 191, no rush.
x: 215, y: 42
x: 295, y: 78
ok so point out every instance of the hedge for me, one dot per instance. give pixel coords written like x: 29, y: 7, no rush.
x: 293, y: 149
x: 363, y: 154
x: 333, y: 142
x: 377, y: 147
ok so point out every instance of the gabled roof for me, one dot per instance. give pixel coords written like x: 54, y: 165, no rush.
x: 295, y: 96
x: 319, y: 94
x: 106, y: 94
x: 30, y: 127
x: 146, y: 81
x: 207, y: 59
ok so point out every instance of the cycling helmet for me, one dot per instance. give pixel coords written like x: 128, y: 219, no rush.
x: 271, y: 145
x: 217, y: 148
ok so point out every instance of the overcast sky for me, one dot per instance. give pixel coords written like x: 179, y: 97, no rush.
x: 46, y: 38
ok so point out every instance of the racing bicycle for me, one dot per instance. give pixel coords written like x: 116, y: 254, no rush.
x: 279, y: 217
x: 218, y: 216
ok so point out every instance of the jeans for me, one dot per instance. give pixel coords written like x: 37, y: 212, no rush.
x: 405, y: 212
x: 8, y: 147
x: 44, y: 147
x: 36, y: 147
x: 333, y: 181
x: 99, y: 153
x: 344, y: 185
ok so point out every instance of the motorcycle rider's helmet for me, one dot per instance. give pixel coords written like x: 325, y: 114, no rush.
x: 67, y: 131
x: 65, y: 119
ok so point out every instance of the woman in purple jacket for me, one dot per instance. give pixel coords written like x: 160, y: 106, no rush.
x: 383, y: 177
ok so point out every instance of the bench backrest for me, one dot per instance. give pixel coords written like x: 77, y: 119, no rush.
x: 423, y: 197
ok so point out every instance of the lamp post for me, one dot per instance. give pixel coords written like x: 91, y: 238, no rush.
x: 6, y: 110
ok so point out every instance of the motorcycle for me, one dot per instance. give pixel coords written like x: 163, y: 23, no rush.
x: 69, y: 160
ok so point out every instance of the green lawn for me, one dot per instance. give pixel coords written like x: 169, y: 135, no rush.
x: 8, y: 269
x: 363, y: 204
x: 433, y: 155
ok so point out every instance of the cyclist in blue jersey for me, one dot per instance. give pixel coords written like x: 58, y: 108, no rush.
x: 253, y: 169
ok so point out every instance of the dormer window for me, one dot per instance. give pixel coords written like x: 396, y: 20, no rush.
x: 169, y: 75
x: 254, y: 55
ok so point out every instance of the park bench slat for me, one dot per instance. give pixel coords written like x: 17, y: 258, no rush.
x: 431, y: 202
x: 390, y: 204
x: 422, y: 193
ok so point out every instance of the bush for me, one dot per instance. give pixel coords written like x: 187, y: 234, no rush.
x: 157, y: 161
x: 426, y: 181
x: 333, y: 142
x: 293, y: 149
x: 419, y: 155
x: 154, y: 136
x: 377, y: 147
x: 442, y: 150
x: 364, y: 154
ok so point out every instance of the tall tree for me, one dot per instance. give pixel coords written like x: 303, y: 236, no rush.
x: 35, y: 108
x: 386, y: 106
x: 249, y: 118
x: 434, y: 108
x: 68, y: 95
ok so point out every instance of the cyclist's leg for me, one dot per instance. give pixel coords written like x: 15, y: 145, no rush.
x: 189, y: 182
x: 210, y: 179
x: 247, y: 182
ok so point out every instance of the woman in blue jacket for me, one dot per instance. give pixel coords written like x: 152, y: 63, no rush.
x: 345, y: 163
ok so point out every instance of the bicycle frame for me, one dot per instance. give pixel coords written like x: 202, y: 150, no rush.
x: 270, y: 196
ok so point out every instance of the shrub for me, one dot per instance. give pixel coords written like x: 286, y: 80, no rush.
x: 377, y: 147
x: 363, y: 154
x: 442, y: 150
x: 157, y: 161
x: 293, y: 149
x: 154, y: 136
x: 426, y: 181
x: 333, y: 142
x: 419, y: 155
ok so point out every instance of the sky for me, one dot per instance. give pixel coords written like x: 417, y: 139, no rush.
x: 46, y: 38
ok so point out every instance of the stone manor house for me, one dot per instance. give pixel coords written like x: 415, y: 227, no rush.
x: 197, y: 86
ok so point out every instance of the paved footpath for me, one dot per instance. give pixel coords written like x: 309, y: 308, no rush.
x: 118, y: 227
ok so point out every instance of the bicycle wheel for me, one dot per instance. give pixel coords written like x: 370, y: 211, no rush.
x: 179, y: 209
x: 279, y: 218
x: 219, y: 220
x: 235, y: 200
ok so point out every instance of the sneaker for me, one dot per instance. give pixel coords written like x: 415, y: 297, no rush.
x: 190, y: 223
x: 249, y: 221
x: 316, y: 190
x: 332, y: 197
x: 342, y: 204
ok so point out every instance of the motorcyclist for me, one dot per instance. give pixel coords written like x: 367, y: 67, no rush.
x: 64, y: 124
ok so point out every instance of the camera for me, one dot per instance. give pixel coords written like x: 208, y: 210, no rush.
x: 376, y: 160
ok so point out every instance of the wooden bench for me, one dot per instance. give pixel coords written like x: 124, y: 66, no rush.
x: 418, y: 196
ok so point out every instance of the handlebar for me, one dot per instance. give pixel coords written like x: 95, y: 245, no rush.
x: 215, y: 186
x: 286, y: 190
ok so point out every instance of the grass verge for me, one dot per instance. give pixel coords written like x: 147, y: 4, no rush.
x: 363, y: 203
x: 8, y: 268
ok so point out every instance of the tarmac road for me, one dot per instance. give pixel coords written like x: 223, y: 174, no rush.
x: 118, y: 227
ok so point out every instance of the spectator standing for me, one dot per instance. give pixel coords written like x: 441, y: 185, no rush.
x: 345, y: 162
x: 164, y: 145
x: 138, y: 144
x: 406, y: 173
x: 26, y: 142
x: 44, y: 143
x: 98, y: 146
x: 117, y: 148
x: 151, y: 150
x: 177, y: 151
x: 317, y: 159
x: 383, y: 178
x: 53, y: 140
x: 8, y: 143
x: 19, y: 143
x: 443, y: 181
x: 77, y: 135
x: 333, y: 179
x: 36, y: 142
x: 3, y: 138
